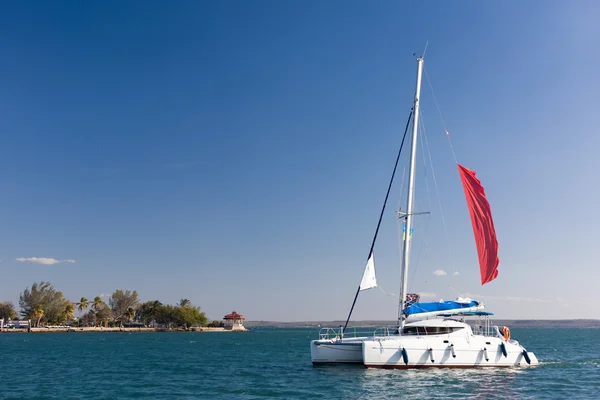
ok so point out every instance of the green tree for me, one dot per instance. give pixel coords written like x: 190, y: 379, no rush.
x: 43, y: 294
x: 189, y: 316
x: 89, y: 318
x: 120, y: 302
x: 103, y: 314
x: 166, y: 315
x: 147, y: 311
x: 178, y: 316
x: 7, y: 311
x: 37, y: 314
x: 216, y: 324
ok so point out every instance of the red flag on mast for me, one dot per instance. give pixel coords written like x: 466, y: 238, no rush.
x: 483, y: 225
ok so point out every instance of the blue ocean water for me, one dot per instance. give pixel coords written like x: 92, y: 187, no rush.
x: 273, y: 363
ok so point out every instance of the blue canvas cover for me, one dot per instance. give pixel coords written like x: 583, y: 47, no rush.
x: 448, y: 305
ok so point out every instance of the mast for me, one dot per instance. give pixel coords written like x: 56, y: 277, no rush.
x: 408, y: 217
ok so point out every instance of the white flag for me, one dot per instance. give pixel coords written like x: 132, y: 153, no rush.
x: 369, y: 280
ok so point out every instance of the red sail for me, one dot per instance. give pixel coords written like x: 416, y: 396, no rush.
x: 483, y: 225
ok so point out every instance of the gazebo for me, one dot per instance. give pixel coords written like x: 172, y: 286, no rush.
x: 233, y: 321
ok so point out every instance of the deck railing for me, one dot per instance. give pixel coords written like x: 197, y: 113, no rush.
x: 328, y: 333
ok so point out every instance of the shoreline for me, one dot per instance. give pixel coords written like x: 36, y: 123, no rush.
x: 117, y: 329
x: 525, y: 323
x: 513, y: 323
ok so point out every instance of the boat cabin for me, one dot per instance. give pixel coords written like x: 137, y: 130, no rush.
x: 468, y: 323
x: 436, y: 327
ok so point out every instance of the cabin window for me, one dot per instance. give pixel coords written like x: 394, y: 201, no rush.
x: 429, y: 330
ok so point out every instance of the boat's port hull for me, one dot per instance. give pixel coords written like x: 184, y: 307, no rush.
x: 336, y: 352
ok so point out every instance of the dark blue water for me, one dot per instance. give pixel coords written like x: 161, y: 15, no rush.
x: 273, y: 363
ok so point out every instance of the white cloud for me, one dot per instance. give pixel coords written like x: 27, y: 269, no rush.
x: 44, y: 260
x: 440, y: 272
x: 104, y: 295
x: 456, y: 273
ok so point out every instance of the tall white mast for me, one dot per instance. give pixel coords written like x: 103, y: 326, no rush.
x: 408, y: 217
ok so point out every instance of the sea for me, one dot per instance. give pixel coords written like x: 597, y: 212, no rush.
x: 272, y: 363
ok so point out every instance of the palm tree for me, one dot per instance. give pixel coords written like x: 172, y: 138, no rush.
x: 184, y: 303
x: 82, y: 306
x: 38, y: 314
x: 69, y: 312
x: 97, y: 305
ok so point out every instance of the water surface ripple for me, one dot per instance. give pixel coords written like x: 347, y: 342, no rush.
x: 274, y: 363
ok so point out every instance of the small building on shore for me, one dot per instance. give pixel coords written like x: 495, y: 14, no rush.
x: 14, y: 324
x: 234, y: 321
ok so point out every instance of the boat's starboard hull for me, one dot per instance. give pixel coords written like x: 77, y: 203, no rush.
x: 443, y: 352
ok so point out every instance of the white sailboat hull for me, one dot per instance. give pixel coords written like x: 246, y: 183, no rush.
x: 337, y: 351
x: 440, y: 351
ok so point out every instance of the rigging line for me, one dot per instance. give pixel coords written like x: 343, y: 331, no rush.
x: 437, y: 192
x: 440, y: 113
x: 425, y: 246
x: 422, y: 139
x: 402, y: 232
x: 399, y: 221
x: 455, y: 291
x: 424, y: 243
x: 395, y: 296
x: 402, y: 186
x: 381, y: 214
x: 400, y: 241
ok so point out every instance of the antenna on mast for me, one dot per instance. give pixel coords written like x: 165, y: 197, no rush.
x: 424, y: 50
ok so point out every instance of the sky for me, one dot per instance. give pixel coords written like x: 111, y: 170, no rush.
x: 237, y: 153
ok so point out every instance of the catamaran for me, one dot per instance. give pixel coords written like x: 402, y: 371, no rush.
x: 429, y: 334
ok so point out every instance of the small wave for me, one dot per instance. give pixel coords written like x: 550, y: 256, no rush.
x: 592, y: 362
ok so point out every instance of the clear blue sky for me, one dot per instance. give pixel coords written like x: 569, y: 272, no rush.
x: 237, y: 153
